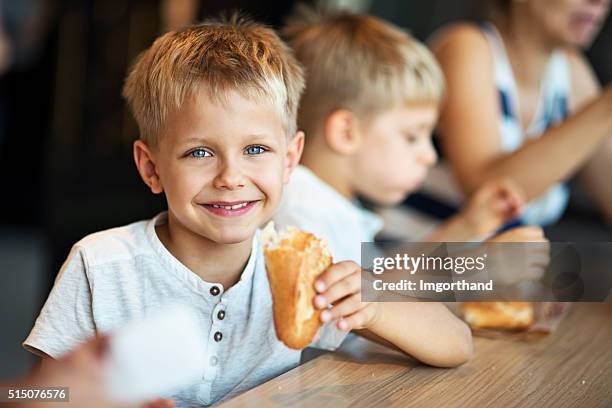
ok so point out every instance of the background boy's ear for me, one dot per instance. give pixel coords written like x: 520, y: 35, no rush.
x: 146, y: 167
x: 341, y: 133
x: 295, y: 147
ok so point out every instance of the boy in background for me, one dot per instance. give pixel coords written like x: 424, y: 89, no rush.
x: 370, y: 105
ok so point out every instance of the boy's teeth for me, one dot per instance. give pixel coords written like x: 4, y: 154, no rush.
x: 230, y: 207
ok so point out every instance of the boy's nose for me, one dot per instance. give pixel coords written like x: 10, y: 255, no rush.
x: 428, y: 156
x: 229, y: 177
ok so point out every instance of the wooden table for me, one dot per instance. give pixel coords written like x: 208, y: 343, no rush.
x: 570, y: 368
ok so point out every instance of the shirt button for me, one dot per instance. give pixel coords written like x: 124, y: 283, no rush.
x: 215, y: 291
x: 221, y: 314
x: 214, y: 360
x: 218, y: 336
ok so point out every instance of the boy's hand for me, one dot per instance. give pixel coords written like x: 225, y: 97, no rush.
x: 521, y: 234
x: 340, y: 287
x: 160, y: 403
x: 493, y: 204
x: 83, y: 371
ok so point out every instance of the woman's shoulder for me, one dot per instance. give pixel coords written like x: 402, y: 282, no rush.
x: 459, y: 36
x: 463, y: 52
x: 462, y: 48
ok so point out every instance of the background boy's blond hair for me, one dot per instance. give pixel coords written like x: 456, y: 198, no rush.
x: 217, y: 56
x: 359, y: 63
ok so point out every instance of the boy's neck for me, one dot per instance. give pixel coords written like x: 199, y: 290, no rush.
x: 211, y: 261
x: 332, y: 171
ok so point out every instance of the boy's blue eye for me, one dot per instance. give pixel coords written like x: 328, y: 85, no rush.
x: 200, y: 153
x: 254, y: 150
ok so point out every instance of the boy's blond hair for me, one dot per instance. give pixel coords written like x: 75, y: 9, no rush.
x: 359, y: 63
x: 217, y: 57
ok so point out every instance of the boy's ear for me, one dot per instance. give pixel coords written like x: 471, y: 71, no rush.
x: 341, y: 133
x: 146, y: 167
x: 295, y: 147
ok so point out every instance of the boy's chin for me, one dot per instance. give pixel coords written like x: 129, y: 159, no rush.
x: 392, y: 199
x: 233, y: 236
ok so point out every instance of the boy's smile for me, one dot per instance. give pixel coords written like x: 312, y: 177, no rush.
x: 229, y: 208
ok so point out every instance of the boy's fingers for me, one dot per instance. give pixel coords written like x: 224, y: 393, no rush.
x: 531, y: 233
x: 517, y: 210
x: 516, y: 197
x: 100, y: 345
x: 503, y: 207
x: 357, y: 320
x: 525, y: 236
x: 347, y: 286
x: 497, y: 205
x: 161, y: 403
x: 511, y: 187
x: 515, y: 203
x: 510, y: 196
x: 345, y: 307
x: 335, y: 273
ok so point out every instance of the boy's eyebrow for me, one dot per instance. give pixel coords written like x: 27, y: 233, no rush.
x: 257, y: 136
x: 194, y: 139
x: 424, y: 125
x: 251, y: 136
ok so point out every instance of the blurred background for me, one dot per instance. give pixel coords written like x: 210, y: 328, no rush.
x: 66, y: 167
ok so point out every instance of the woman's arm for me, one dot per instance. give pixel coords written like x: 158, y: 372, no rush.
x: 595, y: 175
x: 469, y: 124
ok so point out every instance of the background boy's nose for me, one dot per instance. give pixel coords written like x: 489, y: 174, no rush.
x: 428, y: 155
x: 229, y: 177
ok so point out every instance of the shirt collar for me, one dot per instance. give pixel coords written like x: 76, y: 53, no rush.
x: 184, y: 273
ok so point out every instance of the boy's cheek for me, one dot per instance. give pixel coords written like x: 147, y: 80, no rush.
x: 271, y: 185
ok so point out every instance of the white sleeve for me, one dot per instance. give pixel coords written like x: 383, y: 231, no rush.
x: 66, y: 318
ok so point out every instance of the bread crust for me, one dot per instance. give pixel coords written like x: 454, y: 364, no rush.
x: 293, y: 263
x: 498, y: 315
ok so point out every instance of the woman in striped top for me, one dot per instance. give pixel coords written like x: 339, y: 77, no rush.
x: 523, y: 103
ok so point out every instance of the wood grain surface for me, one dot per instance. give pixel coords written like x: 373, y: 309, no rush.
x: 570, y: 368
